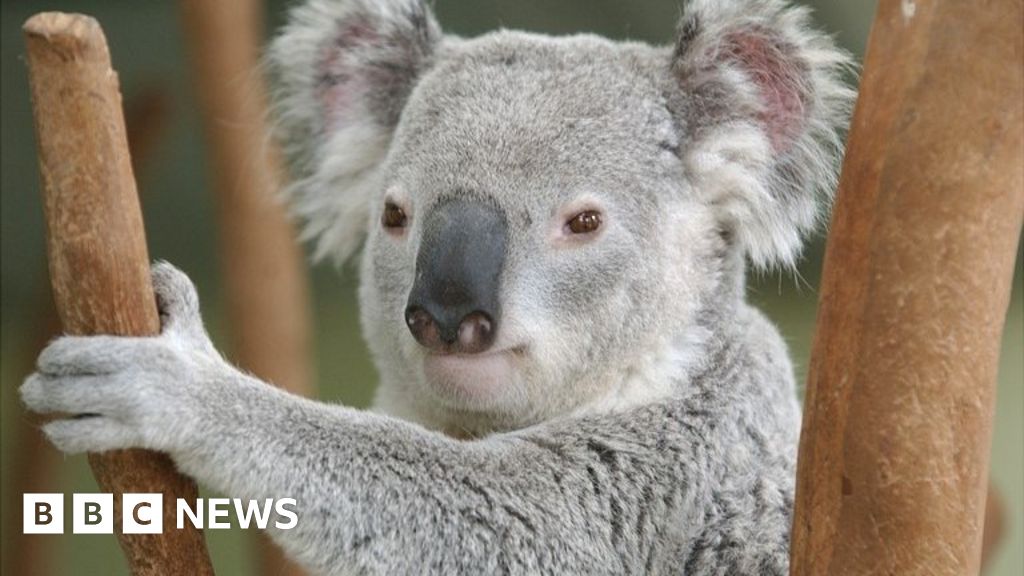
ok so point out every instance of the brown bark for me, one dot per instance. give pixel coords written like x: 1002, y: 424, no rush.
x: 264, y: 277
x: 35, y: 465
x: 898, y: 416
x: 99, y: 266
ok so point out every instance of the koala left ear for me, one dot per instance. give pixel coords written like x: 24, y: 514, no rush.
x: 761, y: 98
x: 343, y: 70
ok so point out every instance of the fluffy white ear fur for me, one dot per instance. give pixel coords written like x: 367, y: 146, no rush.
x: 763, y: 100
x: 343, y: 70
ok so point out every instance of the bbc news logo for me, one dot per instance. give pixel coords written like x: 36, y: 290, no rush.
x: 144, y: 513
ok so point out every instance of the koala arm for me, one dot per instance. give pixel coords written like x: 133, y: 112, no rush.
x: 598, y: 494
x: 386, y: 496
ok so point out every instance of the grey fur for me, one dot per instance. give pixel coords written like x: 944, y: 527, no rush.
x: 637, y: 415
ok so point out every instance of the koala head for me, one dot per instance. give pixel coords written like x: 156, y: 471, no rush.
x: 552, y: 222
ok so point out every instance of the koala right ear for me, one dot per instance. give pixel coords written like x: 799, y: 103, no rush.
x: 343, y: 70
x: 760, y: 94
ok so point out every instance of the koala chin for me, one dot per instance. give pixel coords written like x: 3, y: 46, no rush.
x: 553, y: 236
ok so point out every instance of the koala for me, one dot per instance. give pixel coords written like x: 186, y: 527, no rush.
x: 554, y: 234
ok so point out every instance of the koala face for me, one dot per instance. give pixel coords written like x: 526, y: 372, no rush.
x: 523, y: 245
x: 546, y: 219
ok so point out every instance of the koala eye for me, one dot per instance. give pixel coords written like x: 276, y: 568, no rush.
x: 585, y: 222
x: 393, y: 217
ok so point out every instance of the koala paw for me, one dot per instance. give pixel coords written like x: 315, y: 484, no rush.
x: 120, y: 392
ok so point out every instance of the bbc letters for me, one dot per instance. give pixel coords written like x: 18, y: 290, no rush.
x: 144, y: 513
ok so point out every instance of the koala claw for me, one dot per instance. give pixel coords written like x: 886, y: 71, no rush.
x: 178, y: 303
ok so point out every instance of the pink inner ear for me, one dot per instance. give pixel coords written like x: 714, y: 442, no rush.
x: 334, y: 87
x: 338, y: 83
x: 778, y: 75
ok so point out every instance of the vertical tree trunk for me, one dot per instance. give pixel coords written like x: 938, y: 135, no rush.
x: 264, y: 276
x: 36, y: 465
x: 99, y: 265
x: 898, y: 417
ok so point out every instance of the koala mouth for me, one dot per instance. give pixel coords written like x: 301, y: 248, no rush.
x: 473, y: 380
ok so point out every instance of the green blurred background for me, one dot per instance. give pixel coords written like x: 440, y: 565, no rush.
x: 146, y: 43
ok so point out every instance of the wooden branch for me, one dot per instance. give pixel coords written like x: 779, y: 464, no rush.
x: 264, y: 275
x: 898, y: 416
x: 99, y: 266
x: 146, y: 118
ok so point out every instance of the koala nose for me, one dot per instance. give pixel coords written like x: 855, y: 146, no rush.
x: 453, y: 306
x: 470, y: 335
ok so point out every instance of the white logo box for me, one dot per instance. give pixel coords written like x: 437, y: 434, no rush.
x: 92, y: 513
